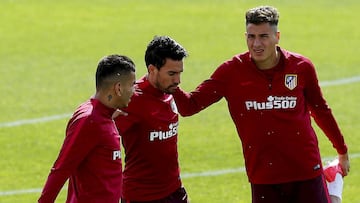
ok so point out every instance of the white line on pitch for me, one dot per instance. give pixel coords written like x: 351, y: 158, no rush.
x: 342, y: 81
x: 61, y: 116
x: 34, y: 120
x: 183, y: 176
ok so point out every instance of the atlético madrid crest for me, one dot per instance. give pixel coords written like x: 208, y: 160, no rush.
x: 290, y: 81
x: 173, y: 106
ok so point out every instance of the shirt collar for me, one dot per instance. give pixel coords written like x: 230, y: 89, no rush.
x: 144, y: 84
x: 100, y: 107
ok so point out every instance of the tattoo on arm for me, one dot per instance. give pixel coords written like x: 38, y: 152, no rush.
x: 109, y: 97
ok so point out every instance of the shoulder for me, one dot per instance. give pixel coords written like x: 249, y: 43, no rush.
x: 231, y: 67
x: 139, y: 104
x: 238, y: 59
x: 83, y: 111
x: 296, y: 58
x: 88, y: 114
x: 235, y: 62
x: 81, y: 119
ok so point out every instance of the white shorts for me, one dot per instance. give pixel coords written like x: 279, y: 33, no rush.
x: 336, y: 187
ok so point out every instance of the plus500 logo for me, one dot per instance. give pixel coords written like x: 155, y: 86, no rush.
x: 273, y: 102
x: 163, y: 135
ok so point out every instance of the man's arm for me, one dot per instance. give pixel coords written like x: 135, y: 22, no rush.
x: 325, y: 119
x: 344, y: 163
x: 76, y: 146
x: 203, y: 96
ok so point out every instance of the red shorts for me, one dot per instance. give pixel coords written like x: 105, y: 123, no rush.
x: 179, y: 196
x: 309, y: 191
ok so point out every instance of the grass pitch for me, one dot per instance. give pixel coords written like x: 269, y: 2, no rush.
x: 49, y: 52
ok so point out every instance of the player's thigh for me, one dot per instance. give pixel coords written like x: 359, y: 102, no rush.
x: 313, y: 191
x: 179, y: 196
x: 267, y: 193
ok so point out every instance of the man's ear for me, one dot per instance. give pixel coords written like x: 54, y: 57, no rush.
x: 277, y: 37
x: 151, y: 68
x: 117, y: 88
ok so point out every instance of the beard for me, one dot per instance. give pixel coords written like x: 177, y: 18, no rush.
x: 168, y: 90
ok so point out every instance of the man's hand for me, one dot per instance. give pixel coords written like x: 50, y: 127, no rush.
x: 118, y: 112
x: 344, y: 163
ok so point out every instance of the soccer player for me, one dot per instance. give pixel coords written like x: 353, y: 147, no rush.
x: 149, y: 132
x: 90, y: 156
x: 272, y: 94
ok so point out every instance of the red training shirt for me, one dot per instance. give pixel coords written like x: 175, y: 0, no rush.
x: 149, y: 136
x: 271, y: 111
x: 90, y: 157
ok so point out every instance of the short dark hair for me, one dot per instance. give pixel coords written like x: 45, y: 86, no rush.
x: 111, y: 68
x: 162, y: 47
x: 262, y: 14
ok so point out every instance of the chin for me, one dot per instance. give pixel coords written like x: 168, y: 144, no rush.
x: 170, y: 90
x: 257, y: 58
x: 122, y: 106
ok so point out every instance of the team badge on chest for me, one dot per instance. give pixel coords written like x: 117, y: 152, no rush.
x: 173, y: 106
x: 290, y: 81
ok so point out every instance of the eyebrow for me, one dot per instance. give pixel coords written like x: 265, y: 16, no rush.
x: 173, y: 71
x: 263, y: 34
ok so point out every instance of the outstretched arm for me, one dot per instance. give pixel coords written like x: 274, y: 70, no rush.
x: 203, y: 96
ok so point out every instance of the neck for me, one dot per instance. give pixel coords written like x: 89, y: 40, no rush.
x: 152, y: 80
x: 105, y: 98
x: 265, y: 65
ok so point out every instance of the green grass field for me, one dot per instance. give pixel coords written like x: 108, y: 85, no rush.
x: 49, y: 51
